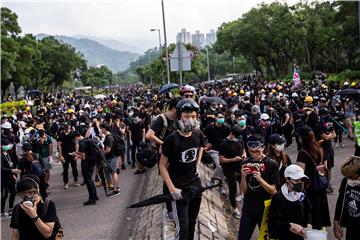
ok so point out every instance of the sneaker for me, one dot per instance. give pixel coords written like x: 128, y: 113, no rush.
x: 239, y: 198
x: 89, y: 202
x: 4, y: 216
x: 236, y: 213
x: 169, y: 216
x: 76, y: 184
x: 10, y: 212
x: 66, y: 186
x: 337, y: 145
x: 114, y: 193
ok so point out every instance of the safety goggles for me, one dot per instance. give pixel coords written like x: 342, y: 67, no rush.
x: 188, y: 95
x: 254, y: 144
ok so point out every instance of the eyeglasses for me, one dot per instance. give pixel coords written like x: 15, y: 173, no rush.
x: 254, y: 144
x: 188, y: 96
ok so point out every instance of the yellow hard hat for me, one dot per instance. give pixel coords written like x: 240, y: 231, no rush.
x: 27, y: 108
x: 273, y: 91
x: 242, y: 91
x: 234, y: 94
x: 353, y: 84
x: 309, y: 99
x: 262, y: 90
x: 70, y: 110
x: 324, y: 86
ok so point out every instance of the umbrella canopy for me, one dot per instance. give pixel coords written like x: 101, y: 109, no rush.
x: 166, y: 197
x: 349, y: 92
x: 34, y: 93
x: 168, y: 87
x: 100, y: 96
x: 216, y: 100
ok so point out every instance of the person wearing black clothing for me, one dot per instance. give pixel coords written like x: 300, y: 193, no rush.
x: 310, y: 154
x: 182, y: 152
x: 287, y: 124
x: 87, y: 166
x: 290, y: 210
x: 8, y: 176
x: 258, y: 184
x: 231, y: 153
x: 28, y: 222
x: 246, y: 132
x: 136, y: 131
x: 347, y: 211
x: 216, y: 132
x: 66, y: 146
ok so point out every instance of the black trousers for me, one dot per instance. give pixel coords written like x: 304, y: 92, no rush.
x: 133, y: 152
x: 87, y: 170
x: 69, y: 160
x: 4, y: 194
x: 232, y: 177
x: 185, y: 212
x: 287, y: 130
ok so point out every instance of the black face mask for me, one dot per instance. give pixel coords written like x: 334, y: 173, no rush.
x: 298, y: 187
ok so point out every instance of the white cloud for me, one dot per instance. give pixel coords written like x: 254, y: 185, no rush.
x: 128, y: 21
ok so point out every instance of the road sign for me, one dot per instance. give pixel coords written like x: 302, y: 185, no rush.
x: 180, y: 59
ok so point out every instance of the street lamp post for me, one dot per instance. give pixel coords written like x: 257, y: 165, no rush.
x: 152, y: 30
x: 165, y: 44
x: 208, y: 62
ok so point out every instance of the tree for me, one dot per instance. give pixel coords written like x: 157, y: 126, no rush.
x: 98, y: 76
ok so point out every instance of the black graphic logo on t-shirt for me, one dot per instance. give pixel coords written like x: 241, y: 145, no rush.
x: 189, y: 155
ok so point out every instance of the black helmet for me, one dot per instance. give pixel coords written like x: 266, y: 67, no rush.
x: 186, y: 105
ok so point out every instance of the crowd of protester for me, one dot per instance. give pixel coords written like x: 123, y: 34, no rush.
x: 244, y: 130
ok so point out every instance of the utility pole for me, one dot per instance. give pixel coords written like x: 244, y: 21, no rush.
x: 165, y: 44
x: 208, y: 62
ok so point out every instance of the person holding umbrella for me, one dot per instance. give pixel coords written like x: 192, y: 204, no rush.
x: 181, y: 153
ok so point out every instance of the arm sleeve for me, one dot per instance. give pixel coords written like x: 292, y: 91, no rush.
x: 340, y: 200
x: 51, y: 213
x: 275, y: 223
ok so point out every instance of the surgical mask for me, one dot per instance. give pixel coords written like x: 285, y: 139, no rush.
x: 280, y: 147
x: 220, y: 120
x: 6, y: 148
x: 188, y: 125
x: 353, y: 183
x: 213, y: 108
x: 242, y: 123
x: 298, y: 187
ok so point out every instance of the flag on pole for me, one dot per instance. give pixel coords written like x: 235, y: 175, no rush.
x: 296, y: 77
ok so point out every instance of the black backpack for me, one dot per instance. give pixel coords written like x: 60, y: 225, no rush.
x: 119, y: 145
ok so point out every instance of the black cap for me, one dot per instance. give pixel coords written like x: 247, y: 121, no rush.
x: 256, y: 137
x: 276, y: 139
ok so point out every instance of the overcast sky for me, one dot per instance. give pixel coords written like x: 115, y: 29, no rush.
x: 128, y: 21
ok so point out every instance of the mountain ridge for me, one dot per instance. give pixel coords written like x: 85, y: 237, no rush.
x: 97, y: 53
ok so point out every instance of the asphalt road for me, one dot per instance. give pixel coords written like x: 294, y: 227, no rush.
x: 110, y: 219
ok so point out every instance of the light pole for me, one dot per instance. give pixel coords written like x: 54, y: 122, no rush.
x: 208, y: 62
x: 165, y: 44
x: 153, y: 30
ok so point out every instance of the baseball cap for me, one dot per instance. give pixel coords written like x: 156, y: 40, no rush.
x: 294, y: 172
x: 6, y: 125
x: 264, y: 116
x: 276, y: 139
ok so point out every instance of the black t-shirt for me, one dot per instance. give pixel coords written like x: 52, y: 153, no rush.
x: 136, y: 131
x: 109, y: 142
x: 67, y: 142
x: 321, y: 129
x: 216, y: 134
x: 256, y: 195
x: 182, y: 153
x: 26, y: 226
x: 158, y: 124
x: 231, y: 149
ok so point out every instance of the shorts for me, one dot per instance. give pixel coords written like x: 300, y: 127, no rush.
x: 45, y: 161
x: 111, y: 166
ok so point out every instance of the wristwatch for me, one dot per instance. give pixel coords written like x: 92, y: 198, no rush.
x: 34, y: 219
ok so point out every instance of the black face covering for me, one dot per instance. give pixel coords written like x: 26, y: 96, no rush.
x: 298, y: 187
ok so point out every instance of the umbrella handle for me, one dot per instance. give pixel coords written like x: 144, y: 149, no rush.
x: 217, y: 182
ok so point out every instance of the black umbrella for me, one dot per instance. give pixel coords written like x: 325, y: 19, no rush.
x: 102, y: 176
x: 166, y: 197
x: 349, y: 92
x: 34, y: 93
x: 168, y: 87
x: 215, y: 100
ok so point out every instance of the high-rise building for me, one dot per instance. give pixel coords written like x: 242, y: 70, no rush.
x: 211, y: 37
x: 198, y: 39
x: 183, y: 36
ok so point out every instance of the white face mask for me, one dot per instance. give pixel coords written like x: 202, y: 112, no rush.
x: 280, y: 148
x: 353, y: 183
x: 292, y: 196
